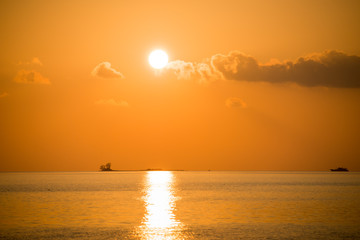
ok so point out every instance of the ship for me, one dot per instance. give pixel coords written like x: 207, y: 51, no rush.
x: 339, y: 169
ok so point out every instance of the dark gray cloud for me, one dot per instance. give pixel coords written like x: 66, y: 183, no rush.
x: 329, y: 69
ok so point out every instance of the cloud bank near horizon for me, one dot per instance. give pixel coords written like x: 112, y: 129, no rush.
x: 328, y: 69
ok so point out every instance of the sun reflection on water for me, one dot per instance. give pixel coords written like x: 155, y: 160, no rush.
x: 160, y: 221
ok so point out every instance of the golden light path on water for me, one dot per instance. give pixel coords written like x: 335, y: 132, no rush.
x: 160, y: 221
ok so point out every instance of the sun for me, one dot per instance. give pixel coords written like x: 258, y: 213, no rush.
x: 158, y: 59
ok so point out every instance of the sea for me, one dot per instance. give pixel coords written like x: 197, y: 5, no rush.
x: 180, y: 205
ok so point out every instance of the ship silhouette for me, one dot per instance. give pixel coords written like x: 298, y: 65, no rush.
x: 339, y: 169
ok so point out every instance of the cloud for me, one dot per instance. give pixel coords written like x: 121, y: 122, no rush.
x: 34, y: 61
x: 235, y: 102
x: 4, y: 94
x: 236, y: 66
x: 104, y: 70
x: 329, y: 69
x: 201, y: 72
x: 30, y: 77
x: 112, y: 102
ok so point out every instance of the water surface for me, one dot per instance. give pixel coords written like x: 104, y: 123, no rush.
x: 179, y: 205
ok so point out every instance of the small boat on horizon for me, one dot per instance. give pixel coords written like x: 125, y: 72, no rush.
x: 339, y: 169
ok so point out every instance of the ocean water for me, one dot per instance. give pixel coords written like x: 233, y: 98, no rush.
x: 180, y: 205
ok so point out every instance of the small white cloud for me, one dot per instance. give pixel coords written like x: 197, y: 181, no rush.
x: 34, y: 61
x: 30, y: 77
x: 200, y: 72
x: 104, y: 70
x: 235, y: 102
x: 112, y: 102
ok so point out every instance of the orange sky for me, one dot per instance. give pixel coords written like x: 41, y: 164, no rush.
x: 251, y: 85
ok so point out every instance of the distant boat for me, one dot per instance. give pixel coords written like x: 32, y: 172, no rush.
x: 339, y: 169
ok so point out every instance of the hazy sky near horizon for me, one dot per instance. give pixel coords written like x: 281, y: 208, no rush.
x: 250, y: 85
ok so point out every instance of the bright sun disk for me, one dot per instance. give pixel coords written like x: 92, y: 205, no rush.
x: 158, y: 59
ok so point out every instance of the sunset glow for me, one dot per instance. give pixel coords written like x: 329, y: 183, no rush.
x: 149, y: 120
x: 192, y: 85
